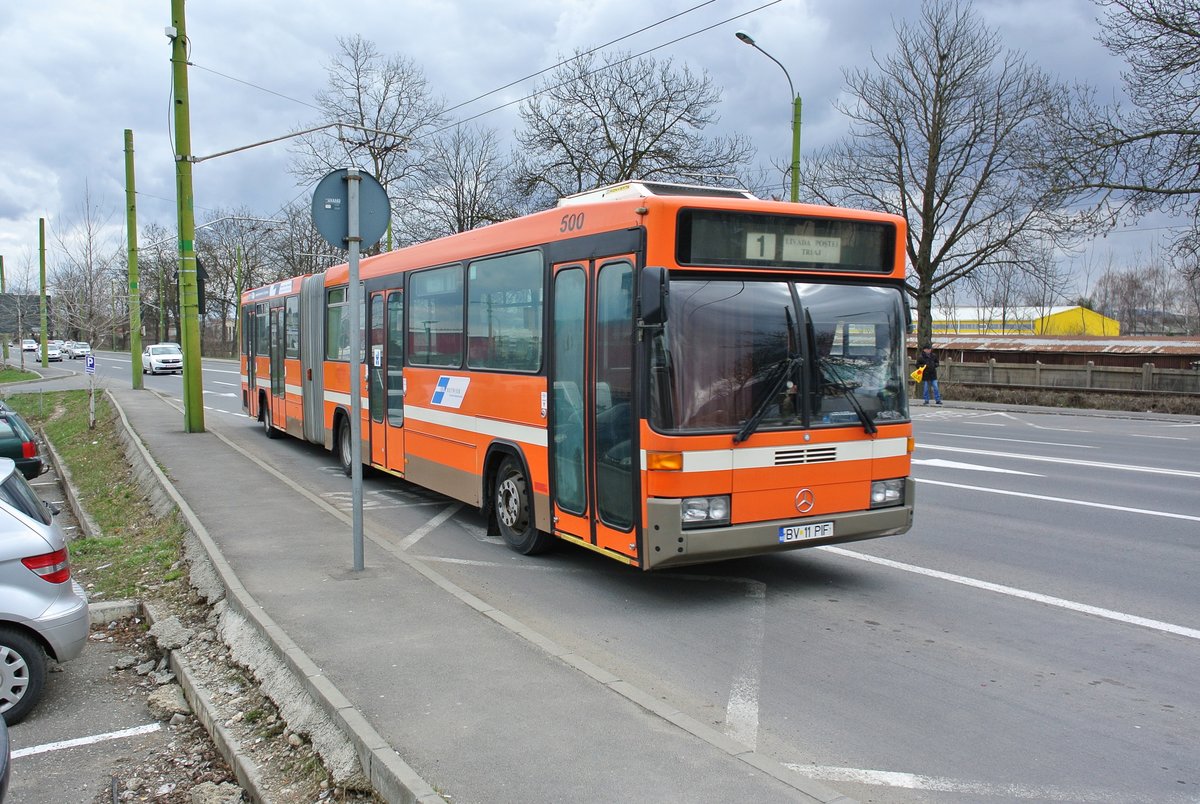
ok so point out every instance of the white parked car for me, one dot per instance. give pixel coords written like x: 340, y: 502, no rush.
x: 162, y: 357
x: 53, y: 352
x: 43, y: 611
x: 29, y: 345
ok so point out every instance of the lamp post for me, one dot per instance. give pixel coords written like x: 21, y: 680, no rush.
x: 796, y: 113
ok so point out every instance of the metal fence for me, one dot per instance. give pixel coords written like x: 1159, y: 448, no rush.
x: 1085, y: 377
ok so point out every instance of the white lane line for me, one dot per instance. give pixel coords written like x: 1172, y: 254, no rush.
x: 969, y: 467
x: 1012, y: 591
x: 1065, y: 500
x: 741, y: 712
x: 1164, y: 438
x: 420, y: 533
x: 1124, y: 467
x: 81, y: 741
x: 1024, y: 440
x: 1043, y: 427
x: 941, y: 784
x: 985, y: 424
x: 218, y: 382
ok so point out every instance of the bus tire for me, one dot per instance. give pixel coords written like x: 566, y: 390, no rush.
x: 514, y: 510
x: 344, y: 447
x: 264, y: 413
x: 22, y: 674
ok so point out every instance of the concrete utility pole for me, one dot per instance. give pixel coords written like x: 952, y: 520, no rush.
x: 3, y: 289
x: 135, y: 298
x: 42, y: 263
x: 189, y: 307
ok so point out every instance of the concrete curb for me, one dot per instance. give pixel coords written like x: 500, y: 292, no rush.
x: 109, y: 610
x: 389, y: 775
x: 243, y: 767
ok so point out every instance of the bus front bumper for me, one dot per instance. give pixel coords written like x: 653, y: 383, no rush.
x: 669, y: 545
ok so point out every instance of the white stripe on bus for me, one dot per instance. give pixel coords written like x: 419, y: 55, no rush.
x: 726, y: 460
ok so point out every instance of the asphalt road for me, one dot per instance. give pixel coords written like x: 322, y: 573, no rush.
x: 1034, y: 638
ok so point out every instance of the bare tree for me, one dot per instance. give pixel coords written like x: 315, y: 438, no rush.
x: 157, y: 262
x: 947, y: 132
x: 1144, y: 158
x: 463, y: 183
x: 594, y: 123
x: 389, y: 95
x: 85, y: 277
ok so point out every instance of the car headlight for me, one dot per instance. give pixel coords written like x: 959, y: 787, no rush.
x: 885, y: 493
x: 698, y: 512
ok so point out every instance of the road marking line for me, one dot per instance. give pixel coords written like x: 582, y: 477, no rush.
x: 420, y: 533
x: 1012, y: 591
x: 1025, y: 441
x: 1165, y: 438
x: 741, y: 712
x: 1065, y: 500
x: 81, y: 741
x: 1127, y: 467
x: 968, y: 467
x: 942, y: 784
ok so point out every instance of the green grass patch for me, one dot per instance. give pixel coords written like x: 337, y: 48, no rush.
x: 10, y: 374
x: 135, y: 551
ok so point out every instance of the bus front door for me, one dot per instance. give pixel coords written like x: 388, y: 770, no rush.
x: 590, y: 415
x: 385, y: 379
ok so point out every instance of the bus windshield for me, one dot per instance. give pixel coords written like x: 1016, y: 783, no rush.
x: 719, y: 361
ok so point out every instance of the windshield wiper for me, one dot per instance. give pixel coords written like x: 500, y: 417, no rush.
x: 787, y: 367
x: 847, y: 391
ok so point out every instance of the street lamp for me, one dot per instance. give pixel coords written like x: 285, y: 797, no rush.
x: 796, y: 113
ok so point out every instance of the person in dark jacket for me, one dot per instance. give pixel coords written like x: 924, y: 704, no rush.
x: 929, y: 379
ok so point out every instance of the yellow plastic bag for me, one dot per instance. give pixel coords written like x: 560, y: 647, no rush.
x: 918, y: 374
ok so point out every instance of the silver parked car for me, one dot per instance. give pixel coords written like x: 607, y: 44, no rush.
x: 78, y: 349
x: 43, y: 611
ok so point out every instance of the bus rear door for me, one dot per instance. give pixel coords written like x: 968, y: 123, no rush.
x: 385, y: 379
x: 278, y: 339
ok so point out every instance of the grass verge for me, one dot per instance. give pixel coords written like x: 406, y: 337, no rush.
x: 10, y: 374
x: 135, y: 551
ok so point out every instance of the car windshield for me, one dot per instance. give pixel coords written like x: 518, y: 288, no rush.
x: 777, y: 354
x: 164, y: 350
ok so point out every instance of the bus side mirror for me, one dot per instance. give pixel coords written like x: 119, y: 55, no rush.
x: 652, y: 293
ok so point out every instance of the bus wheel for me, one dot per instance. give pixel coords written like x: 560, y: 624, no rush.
x: 345, y: 451
x: 265, y: 415
x: 514, y: 510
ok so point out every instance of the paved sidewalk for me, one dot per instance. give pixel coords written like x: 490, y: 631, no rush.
x: 481, y: 708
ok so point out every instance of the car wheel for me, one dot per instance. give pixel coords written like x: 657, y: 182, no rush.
x: 345, y: 448
x: 514, y: 510
x: 264, y: 414
x: 22, y: 674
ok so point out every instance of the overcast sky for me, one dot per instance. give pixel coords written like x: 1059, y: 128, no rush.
x: 74, y: 74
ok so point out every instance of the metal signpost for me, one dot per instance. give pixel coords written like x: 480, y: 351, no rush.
x: 351, y: 210
x: 89, y: 365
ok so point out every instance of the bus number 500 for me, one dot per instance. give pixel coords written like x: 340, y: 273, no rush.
x: 571, y: 223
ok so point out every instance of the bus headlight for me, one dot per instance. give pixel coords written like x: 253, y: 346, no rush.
x: 887, y: 492
x: 698, y: 512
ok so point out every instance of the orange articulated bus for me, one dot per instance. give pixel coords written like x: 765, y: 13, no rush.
x: 664, y: 374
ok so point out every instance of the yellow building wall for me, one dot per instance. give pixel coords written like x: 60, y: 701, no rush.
x: 1077, y: 321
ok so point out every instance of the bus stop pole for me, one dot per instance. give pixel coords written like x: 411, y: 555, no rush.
x: 356, y: 299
